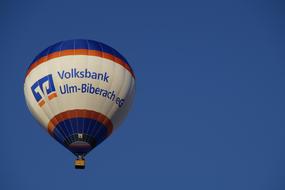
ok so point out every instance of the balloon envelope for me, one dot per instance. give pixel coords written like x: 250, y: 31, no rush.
x: 80, y: 91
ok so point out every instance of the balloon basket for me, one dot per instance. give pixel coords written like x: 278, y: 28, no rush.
x: 79, y: 164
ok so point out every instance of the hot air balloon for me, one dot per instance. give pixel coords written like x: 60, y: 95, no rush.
x: 79, y: 91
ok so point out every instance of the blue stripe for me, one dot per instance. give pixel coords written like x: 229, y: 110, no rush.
x: 79, y: 44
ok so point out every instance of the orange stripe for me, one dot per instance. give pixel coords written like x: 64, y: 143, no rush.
x: 82, y: 113
x: 52, y: 55
x: 80, y: 52
x: 51, y: 96
x: 41, y: 103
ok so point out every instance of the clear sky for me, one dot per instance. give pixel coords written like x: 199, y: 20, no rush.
x: 209, y: 109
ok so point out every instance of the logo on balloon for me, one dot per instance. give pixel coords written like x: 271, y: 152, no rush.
x: 44, y: 87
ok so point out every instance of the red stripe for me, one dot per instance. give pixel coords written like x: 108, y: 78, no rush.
x: 82, y: 113
x: 80, y: 52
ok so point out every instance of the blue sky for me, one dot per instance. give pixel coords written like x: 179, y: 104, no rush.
x: 209, y: 109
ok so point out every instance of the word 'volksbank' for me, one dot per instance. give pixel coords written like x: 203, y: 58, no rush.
x: 75, y: 73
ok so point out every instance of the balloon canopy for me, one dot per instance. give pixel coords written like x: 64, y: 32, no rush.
x: 80, y: 91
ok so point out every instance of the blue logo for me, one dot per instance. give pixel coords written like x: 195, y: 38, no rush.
x: 44, y: 88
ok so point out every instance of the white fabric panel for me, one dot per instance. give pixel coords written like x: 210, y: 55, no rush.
x: 120, y: 81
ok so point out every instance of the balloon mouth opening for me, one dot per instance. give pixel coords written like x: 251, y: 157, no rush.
x: 80, y: 147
